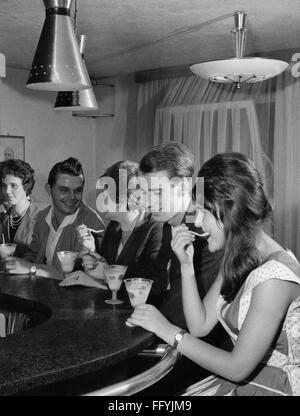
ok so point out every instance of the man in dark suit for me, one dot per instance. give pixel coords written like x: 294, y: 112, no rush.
x: 166, y: 174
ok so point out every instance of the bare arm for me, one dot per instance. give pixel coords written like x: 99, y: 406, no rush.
x: 15, y: 265
x: 200, y: 316
x: 260, y: 327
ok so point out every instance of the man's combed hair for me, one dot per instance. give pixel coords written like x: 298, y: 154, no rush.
x: 173, y: 157
x: 19, y: 169
x: 235, y: 195
x: 70, y: 166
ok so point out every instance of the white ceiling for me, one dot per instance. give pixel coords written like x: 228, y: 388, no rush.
x: 125, y: 36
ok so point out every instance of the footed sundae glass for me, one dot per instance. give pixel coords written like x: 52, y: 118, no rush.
x: 138, y: 290
x: 114, y: 276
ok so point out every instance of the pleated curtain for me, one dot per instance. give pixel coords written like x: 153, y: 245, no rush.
x: 261, y: 120
x: 287, y: 162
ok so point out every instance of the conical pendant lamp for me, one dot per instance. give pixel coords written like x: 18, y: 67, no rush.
x: 57, y: 64
x: 239, y: 70
x: 83, y: 100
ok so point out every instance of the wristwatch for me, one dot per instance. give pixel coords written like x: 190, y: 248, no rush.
x: 32, y: 270
x: 178, y: 337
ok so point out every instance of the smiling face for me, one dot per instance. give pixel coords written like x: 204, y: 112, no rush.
x: 66, y: 193
x: 215, y: 229
x: 13, y: 189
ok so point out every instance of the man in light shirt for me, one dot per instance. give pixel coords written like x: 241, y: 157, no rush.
x: 55, y: 228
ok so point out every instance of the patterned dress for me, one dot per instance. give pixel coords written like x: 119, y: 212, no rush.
x: 279, y: 372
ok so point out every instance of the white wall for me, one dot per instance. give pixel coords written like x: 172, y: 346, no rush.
x: 50, y: 136
x: 116, y: 136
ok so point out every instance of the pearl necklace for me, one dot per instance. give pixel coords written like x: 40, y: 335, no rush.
x: 15, y: 223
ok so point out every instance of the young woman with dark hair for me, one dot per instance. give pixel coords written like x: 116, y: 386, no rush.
x: 256, y: 296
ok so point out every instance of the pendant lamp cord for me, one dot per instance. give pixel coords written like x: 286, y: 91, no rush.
x: 75, y: 17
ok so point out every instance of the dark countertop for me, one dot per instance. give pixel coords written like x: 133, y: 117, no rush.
x: 81, y: 333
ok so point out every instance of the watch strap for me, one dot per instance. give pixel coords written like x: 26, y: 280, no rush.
x: 178, y: 337
x: 33, y: 270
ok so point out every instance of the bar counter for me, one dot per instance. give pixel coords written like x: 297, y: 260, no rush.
x: 75, y: 333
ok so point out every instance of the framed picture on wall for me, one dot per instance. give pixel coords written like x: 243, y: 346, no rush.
x: 12, y: 147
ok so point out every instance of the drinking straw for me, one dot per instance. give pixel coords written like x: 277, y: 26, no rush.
x: 3, y: 239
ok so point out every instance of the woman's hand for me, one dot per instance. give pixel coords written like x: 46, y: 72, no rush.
x: 85, y: 238
x: 182, y: 244
x: 14, y: 265
x: 93, y: 265
x: 81, y: 278
x: 97, y: 272
x: 90, y: 260
x: 149, y: 318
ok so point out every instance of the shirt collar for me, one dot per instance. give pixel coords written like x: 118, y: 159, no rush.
x: 68, y: 219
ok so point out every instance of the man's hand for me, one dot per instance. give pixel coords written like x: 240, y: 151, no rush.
x: 85, y: 238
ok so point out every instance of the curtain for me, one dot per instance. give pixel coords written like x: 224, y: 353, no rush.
x: 287, y: 162
x: 190, y: 91
x: 150, y: 95
x: 208, y: 129
x: 211, y: 118
x: 261, y: 120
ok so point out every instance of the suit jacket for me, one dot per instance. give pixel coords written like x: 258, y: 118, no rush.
x: 145, y: 253
x: 68, y: 239
x: 24, y: 232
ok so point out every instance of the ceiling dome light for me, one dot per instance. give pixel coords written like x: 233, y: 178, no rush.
x: 239, y: 70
